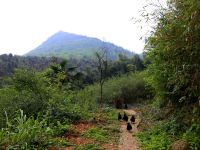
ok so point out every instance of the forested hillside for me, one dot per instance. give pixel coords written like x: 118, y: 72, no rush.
x: 10, y: 62
x: 68, y: 45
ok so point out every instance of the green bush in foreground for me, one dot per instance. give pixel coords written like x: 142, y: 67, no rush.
x: 29, y: 133
x: 192, y: 136
x: 154, y: 138
x: 24, y: 133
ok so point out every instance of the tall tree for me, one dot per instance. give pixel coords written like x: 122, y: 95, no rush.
x: 102, y: 66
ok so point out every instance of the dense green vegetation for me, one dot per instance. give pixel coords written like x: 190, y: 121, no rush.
x: 39, y: 107
x: 128, y: 88
x: 174, y: 73
x: 67, y: 45
x: 45, y: 104
x: 174, y: 53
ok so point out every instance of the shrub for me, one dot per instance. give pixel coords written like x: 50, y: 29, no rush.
x: 154, y: 138
x: 24, y: 133
x: 26, y: 91
x: 60, y: 129
x: 128, y: 88
x: 192, y: 136
x: 61, y: 108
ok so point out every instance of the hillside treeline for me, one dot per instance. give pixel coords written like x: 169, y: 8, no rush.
x: 87, y: 67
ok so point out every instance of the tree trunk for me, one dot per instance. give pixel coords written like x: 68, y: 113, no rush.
x: 101, y: 94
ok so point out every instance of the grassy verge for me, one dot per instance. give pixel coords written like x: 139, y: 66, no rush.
x: 159, y: 128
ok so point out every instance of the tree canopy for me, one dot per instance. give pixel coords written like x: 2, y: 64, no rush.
x: 174, y: 53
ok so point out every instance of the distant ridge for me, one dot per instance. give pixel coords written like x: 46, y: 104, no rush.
x: 68, y: 45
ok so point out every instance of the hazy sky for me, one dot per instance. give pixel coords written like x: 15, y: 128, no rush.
x: 25, y: 24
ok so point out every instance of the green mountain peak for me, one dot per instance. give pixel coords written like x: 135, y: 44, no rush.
x: 68, y: 45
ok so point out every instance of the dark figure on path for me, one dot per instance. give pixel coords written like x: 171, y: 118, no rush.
x: 129, y: 127
x: 119, y: 116
x: 126, y: 106
x: 125, y: 117
x: 133, y: 119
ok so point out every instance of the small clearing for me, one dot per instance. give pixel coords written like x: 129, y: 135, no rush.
x: 75, y: 137
x: 100, y: 133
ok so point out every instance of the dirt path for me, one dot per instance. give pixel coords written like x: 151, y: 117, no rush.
x: 127, y: 141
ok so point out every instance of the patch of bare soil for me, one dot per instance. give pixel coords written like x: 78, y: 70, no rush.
x: 78, y: 140
x: 127, y: 141
x: 74, y: 136
x: 68, y: 148
x: 109, y: 146
x: 82, y: 126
